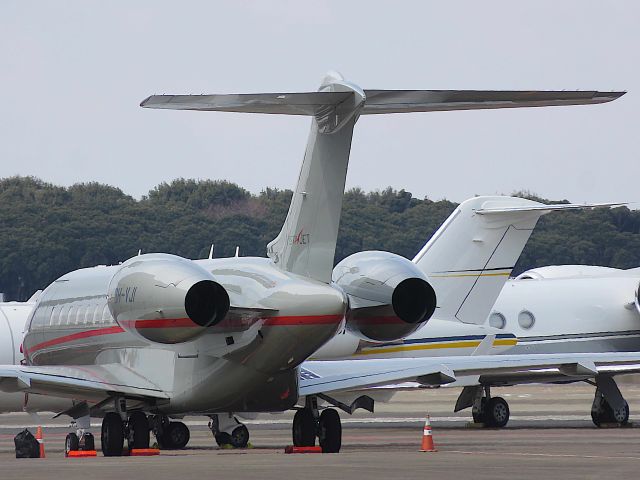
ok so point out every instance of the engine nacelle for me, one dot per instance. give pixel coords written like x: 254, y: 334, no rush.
x: 389, y: 296
x: 165, y: 298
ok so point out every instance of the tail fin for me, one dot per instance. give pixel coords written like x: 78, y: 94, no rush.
x: 471, y: 255
x: 306, y: 244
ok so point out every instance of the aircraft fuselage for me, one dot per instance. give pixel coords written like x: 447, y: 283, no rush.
x: 245, y: 362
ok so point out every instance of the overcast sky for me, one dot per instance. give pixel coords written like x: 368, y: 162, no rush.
x: 74, y: 72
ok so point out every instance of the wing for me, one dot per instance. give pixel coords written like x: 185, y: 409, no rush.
x: 91, y: 382
x: 330, y: 376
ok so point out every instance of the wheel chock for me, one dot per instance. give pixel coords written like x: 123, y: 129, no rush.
x: 293, y: 449
x: 81, y: 453
x: 144, y: 452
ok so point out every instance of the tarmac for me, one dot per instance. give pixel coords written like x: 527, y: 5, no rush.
x: 550, y: 435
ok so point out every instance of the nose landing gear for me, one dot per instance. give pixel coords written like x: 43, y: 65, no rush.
x: 229, y: 431
x: 170, y: 435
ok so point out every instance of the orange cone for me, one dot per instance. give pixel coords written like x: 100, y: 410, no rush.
x: 427, y: 438
x: 40, y: 441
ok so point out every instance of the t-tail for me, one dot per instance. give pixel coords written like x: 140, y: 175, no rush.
x: 306, y: 244
x: 470, y: 257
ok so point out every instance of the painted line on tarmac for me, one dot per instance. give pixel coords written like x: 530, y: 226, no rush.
x: 355, y: 421
x: 552, y: 455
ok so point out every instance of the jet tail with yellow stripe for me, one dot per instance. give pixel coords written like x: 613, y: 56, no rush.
x: 470, y: 257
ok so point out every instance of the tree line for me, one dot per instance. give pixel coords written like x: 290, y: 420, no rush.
x: 48, y: 230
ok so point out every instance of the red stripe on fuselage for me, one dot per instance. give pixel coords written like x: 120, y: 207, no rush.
x: 183, y: 323
x: 161, y: 323
x: 77, y: 336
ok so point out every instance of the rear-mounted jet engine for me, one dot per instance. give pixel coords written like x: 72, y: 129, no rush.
x: 389, y: 297
x: 165, y: 298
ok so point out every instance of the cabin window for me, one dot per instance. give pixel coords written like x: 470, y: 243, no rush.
x: 497, y: 320
x: 88, y: 314
x: 71, y: 315
x: 55, y: 315
x: 80, y: 314
x: 97, y: 314
x: 62, y: 316
x: 106, y: 315
x: 526, y: 319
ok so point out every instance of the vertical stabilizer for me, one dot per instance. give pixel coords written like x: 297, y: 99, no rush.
x: 471, y: 255
x: 307, y: 242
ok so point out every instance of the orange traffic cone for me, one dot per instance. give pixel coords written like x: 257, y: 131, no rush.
x: 40, y: 441
x: 427, y: 438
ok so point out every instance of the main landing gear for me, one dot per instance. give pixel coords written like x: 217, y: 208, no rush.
x: 309, y: 423
x: 115, y: 431
x: 609, y: 406
x: 492, y: 412
x: 229, y: 431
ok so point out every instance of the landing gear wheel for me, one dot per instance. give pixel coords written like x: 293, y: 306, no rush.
x: 138, y: 430
x: 112, y: 437
x: 602, y: 412
x: 478, y: 414
x: 87, y: 442
x: 496, y: 412
x: 175, y: 436
x: 621, y: 415
x: 240, y: 437
x: 304, y: 428
x: 330, y: 431
x: 71, y: 444
x: 222, y: 439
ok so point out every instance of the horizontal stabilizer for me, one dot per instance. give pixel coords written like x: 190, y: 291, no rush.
x: 279, y: 103
x: 400, y: 101
x: 377, y: 101
x: 488, y: 209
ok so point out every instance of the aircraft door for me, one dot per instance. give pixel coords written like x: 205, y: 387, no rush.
x: 7, y: 348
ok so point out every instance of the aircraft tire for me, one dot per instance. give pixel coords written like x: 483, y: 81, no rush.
x: 496, y: 412
x: 71, y: 443
x: 175, y: 436
x: 330, y: 431
x: 240, y: 437
x: 606, y: 414
x: 222, y: 439
x: 478, y: 416
x: 620, y: 416
x: 304, y: 428
x: 138, y: 430
x: 87, y: 442
x: 112, y: 436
